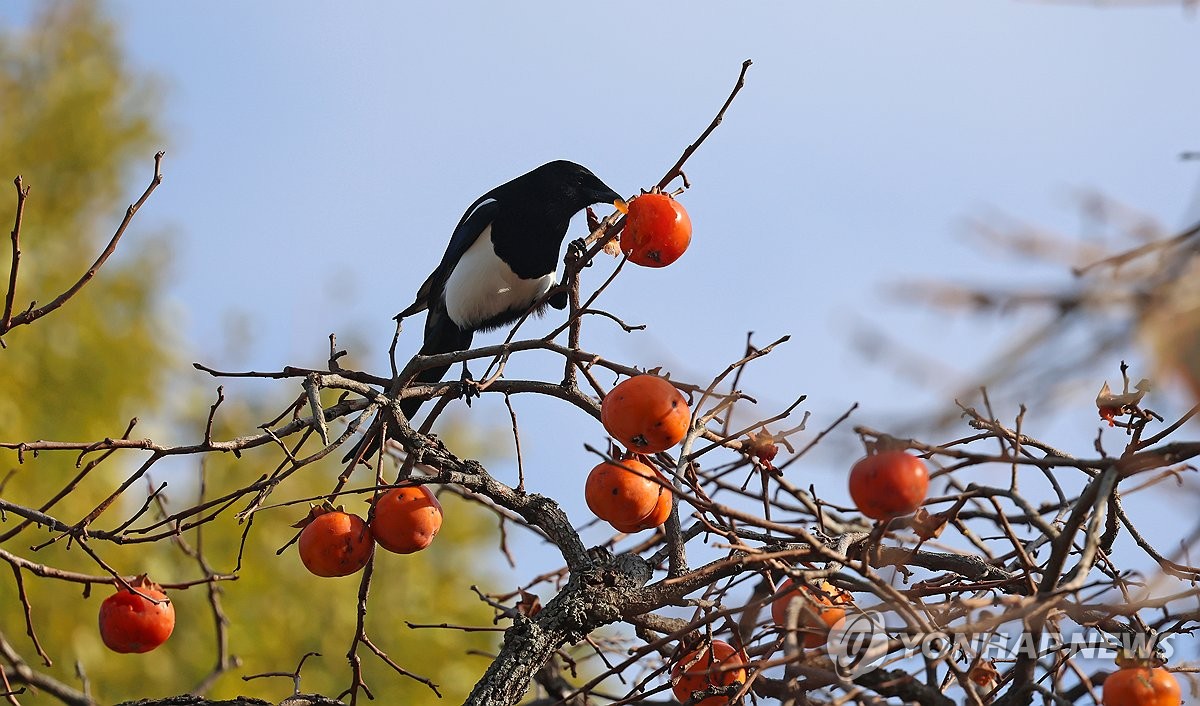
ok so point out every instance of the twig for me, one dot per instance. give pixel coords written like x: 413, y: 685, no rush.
x: 1122, y: 258
x: 22, y: 194
x: 677, y: 169
x: 31, y: 315
x: 24, y: 597
x: 517, y: 441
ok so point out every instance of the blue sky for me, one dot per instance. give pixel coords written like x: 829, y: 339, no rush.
x: 318, y: 156
x: 335, y: 149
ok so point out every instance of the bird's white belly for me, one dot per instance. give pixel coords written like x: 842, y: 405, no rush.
x: 482, y: 286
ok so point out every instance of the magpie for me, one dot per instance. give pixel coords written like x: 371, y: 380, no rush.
x: 499, y: 264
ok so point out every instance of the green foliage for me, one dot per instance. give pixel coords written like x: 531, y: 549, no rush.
x: 79, y: 125
x: 279, y: 611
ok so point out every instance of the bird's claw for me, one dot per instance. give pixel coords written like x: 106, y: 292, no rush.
x: 470, y: 386
x: 576, y: 250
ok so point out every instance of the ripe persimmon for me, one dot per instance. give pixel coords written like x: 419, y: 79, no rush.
x: 718, y: 664
x: 1138, y: 685
x: 138, y: 620
x: 623, y: 492
x: 657, y: 230
x: 657, y: 516
x: 646, y: 414
x: 334, y: 543
x: 406, y: 519
x: 889, y: 484
x: 819, y: 610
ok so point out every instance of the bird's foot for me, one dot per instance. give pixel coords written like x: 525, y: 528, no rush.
x: 577, y: 250
x: 470, y: 386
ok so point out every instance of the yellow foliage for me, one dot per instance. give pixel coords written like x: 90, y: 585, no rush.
x: 79, y: 125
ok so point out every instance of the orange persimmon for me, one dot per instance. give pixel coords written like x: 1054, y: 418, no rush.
x: 646, y: 414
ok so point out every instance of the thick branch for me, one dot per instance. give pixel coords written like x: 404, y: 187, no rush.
x: 590, y: 600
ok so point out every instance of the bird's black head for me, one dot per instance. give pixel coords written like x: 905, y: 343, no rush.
x: 568, y: 187
x: 534, y: 212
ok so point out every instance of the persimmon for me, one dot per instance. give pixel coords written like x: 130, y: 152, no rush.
x: 406, y: 519
x: 623, y: 493
x: 334, y: 543
x: 646, y: 414
x: 138, y: 620
x: 820, y: 609
x: 889, y: 484
x: 1139, y: 685
x: 657, y: 230
x: 657, y: 516
x: 718, y: 664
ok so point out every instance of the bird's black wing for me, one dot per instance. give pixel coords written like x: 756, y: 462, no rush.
x: 478, y: 217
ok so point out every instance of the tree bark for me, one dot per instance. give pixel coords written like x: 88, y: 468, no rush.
x: 590, y: 600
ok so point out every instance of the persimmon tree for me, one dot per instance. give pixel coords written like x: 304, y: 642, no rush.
x: 756, y: 587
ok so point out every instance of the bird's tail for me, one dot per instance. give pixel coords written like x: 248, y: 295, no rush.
x: 441, y: 336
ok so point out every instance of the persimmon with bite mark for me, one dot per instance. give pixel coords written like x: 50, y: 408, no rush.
x: 136, y: 621
x: 646, y: 414
x: 334, y: 543
x: 820, y: 609
x: 718, y: 664
x: 406, y: 519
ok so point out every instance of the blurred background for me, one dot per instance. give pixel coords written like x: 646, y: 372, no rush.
x: 883, y: 159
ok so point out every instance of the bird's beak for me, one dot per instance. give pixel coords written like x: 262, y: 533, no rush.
x: 621, y: 206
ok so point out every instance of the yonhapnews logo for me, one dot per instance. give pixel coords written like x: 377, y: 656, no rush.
x: 861, y: 642
x: 858, y: 643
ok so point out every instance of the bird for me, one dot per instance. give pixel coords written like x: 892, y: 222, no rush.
x: 499, y: 264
